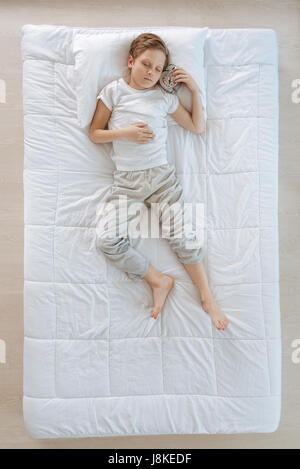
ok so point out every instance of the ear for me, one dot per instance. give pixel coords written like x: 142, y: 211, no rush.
x: 130, y: 60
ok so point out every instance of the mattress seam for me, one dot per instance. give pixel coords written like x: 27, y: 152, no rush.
x: 37, y: 170
x: 54, y: 234
x: 97, y: 435
x: 90, y: 227
x: 260, y: 223
x: 140, y: 280
x: 156, y: 337
x: 206, y: 230
x: 117, y: 396
x: 109, y: 338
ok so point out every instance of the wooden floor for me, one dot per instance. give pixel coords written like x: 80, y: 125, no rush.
x: 281, y: 15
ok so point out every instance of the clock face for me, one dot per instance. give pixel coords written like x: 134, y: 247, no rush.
x: 166, y: 81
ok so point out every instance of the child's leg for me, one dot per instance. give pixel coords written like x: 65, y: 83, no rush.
x: 198, y: 275
x: 161, y: 285
x: 191, y: 258
x: 115, y: 246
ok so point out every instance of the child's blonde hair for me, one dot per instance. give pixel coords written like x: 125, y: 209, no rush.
x: 148, y: 41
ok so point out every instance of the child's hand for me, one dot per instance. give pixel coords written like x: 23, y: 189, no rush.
x: 180, y: 75
x: 138, y: 133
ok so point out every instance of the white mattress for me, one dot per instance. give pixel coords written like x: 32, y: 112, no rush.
x: 95, y: 363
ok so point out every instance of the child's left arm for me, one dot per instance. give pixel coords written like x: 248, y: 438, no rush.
x: 195, y: 121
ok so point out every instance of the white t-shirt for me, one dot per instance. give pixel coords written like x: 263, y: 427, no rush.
x: 131, y: 106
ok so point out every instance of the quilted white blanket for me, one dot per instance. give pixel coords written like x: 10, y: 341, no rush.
x: 95, y: 362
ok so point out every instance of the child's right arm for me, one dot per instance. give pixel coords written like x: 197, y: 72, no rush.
x: 98, y: 134
x: 104, y: 136
x: 99, y: 122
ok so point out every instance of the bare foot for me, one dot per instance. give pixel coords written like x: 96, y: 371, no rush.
x: 218, y: 318
x: 161, y: 289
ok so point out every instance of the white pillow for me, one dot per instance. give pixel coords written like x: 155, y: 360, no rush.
x: 102, y: 56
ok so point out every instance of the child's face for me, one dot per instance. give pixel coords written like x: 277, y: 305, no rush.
x: 149, y: 64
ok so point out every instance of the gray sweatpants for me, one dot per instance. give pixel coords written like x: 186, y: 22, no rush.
x: 157, y: 185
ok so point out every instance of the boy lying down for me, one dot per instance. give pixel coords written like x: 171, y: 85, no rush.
x: 143, y: 173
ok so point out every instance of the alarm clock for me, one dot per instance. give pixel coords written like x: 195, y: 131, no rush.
x: 166, y: 81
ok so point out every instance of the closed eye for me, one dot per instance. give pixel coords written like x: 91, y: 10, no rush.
x: 147, y: 65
